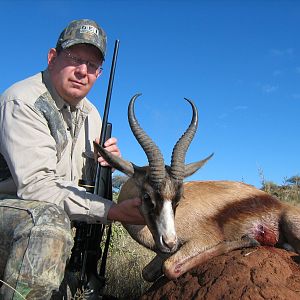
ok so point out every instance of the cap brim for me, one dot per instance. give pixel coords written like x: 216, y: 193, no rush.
x: 69, y: 43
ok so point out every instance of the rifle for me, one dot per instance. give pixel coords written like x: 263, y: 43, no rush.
x: 82, y: 270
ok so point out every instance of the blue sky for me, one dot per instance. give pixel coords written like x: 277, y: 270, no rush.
x: 238, y: 60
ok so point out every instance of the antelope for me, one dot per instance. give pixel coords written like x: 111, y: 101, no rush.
x: 189, y: 223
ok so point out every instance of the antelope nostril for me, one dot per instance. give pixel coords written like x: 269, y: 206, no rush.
x: 170, y: 241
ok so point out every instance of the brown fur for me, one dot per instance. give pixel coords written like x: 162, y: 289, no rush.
x: 214, y: 217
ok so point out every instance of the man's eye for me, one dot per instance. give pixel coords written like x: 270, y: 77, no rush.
x: 93, y: 66
x: 77, y: 61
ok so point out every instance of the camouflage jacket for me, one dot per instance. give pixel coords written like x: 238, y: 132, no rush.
x: 45, y: 148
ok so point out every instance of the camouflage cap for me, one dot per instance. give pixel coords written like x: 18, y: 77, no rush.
x: 83, y: 31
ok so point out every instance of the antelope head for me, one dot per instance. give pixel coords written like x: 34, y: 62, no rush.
x: 160, y: 186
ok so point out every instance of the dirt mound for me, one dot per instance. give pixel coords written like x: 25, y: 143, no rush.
x: 255, y: 273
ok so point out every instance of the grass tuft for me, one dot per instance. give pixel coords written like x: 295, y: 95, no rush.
x: 125, y: 262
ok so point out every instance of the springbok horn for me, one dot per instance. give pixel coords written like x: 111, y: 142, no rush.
x: 179, y: 150
x: 155, y: 158
x: 115, y: 161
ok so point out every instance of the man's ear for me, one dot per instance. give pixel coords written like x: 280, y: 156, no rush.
x: 52, y: 55
x: 98, y: 75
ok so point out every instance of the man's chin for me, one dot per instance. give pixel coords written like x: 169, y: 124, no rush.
x: 77, y: 93
x: 74, y: 98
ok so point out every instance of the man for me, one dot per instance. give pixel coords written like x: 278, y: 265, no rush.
x: 47, y: 129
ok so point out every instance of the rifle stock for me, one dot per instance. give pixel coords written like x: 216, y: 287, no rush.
x: 87, y: 252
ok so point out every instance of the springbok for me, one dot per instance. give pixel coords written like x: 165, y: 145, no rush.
x: 189, y: 223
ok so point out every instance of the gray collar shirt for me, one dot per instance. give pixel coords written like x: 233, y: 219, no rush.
x: 46, y: 147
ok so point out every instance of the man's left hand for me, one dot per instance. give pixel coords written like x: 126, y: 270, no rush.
x: 111, y: 146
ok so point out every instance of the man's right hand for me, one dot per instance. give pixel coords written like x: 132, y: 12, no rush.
x: 127, y: 212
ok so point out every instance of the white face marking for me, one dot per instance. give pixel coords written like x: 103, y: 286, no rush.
x: 166, y: 224
x: 166, y: 216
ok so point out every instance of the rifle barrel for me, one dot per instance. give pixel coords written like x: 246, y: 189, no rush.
x: 106, y: 111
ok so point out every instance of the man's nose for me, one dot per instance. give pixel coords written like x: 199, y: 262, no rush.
x: 82, y: 68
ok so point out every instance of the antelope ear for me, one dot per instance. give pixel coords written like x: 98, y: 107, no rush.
x: 191, y: 168
x: 115, y: 161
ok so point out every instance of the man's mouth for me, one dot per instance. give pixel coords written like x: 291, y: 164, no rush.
x: 77, y: 83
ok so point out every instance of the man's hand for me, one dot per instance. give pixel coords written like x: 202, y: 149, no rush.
x: 127, y: 212
x: 111, y: 146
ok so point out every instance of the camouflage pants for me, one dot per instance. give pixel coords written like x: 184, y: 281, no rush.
x: 35, y: 243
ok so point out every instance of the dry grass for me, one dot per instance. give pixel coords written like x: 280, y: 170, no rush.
x: 288, y: 191
x: 124, y: 266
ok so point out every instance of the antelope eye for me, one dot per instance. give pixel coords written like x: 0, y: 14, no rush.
x: 147, y: 199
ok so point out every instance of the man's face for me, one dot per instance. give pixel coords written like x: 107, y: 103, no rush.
x: 74, y: 71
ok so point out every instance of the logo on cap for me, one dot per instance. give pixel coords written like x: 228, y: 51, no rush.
x: 89, y: 29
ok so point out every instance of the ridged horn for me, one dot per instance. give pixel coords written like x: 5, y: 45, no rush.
x: 155, y: 158
x: 180, y: 148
